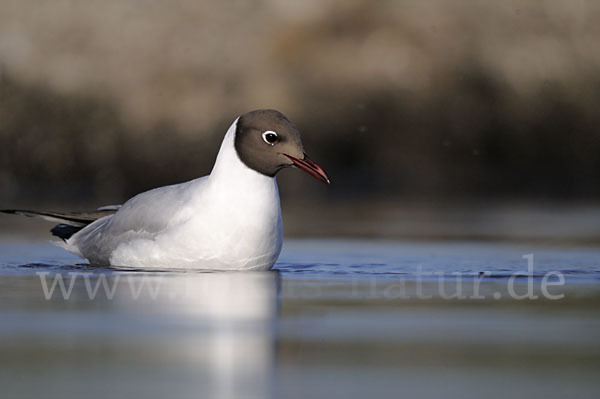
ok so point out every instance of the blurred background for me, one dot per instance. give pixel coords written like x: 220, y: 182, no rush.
x: 433, y: 119
x: 459, y: 136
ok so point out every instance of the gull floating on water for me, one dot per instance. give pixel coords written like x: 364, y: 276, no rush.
x: 228, y: 220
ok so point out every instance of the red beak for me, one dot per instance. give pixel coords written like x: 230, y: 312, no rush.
x: 310, y: 167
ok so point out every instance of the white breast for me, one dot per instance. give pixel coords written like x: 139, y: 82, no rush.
x: 229, y: 220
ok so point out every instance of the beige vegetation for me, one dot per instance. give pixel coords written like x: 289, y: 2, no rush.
x: 451, y: 98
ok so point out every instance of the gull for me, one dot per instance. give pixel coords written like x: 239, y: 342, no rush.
x: 228, y: 220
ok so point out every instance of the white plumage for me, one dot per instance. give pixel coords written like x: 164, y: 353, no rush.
x: 228, y: 220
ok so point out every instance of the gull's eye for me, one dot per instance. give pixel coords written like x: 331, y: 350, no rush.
x: 270, y: 137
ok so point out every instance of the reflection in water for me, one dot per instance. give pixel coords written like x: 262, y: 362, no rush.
x: 231, y: 315
x: 343, y: 330
x: 163, y: 334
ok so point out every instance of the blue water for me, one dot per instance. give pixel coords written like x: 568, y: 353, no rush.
x: 336, y: 318
x: 387, y: 259
x: 356, y: 259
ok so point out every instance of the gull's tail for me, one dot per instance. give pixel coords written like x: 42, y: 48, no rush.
x: 69, y: 222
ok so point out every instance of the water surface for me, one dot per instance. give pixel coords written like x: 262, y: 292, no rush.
x: 337, y: 318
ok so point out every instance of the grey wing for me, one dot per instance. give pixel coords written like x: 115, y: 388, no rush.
x: 69, y: 222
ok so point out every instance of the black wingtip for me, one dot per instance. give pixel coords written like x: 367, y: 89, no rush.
x: 21, y: 212
x: 64, y: 231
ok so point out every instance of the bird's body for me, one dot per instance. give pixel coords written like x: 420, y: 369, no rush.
x: 228, y: 220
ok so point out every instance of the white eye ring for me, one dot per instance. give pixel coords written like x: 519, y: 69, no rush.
x: 269, y: 134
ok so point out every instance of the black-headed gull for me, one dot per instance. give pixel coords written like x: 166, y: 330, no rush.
x: 228, y: 220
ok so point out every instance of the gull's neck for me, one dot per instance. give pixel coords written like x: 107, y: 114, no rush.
x: 230, y: 170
